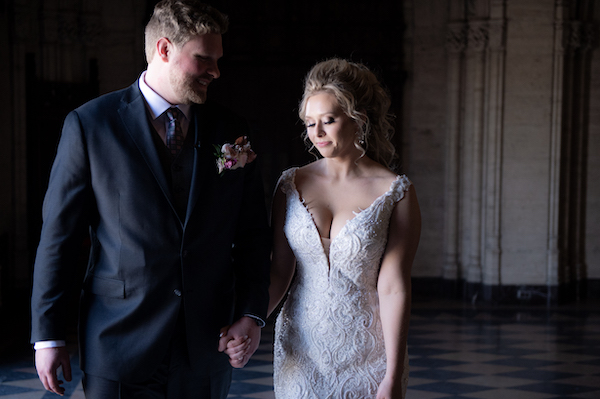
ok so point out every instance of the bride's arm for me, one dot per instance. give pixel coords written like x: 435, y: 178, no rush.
x: 283, y: 262
x: 393, y: 287
x: 282, y: 271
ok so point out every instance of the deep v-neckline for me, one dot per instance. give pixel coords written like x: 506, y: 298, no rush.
x: 315, y: 229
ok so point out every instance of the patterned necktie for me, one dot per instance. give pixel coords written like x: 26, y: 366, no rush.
x: 174, y: 132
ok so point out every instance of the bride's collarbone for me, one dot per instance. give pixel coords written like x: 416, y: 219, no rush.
x: 343, y: 193
x: 334, y: 202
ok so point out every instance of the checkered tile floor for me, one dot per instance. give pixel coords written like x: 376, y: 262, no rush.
x: 455, y: 352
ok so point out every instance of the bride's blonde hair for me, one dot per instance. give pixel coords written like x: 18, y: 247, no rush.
x: 362, y: 97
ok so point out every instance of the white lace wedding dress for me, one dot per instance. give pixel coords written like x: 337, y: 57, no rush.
x: 328, y: 336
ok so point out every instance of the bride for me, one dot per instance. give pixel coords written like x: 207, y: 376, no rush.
x: 348, y: 228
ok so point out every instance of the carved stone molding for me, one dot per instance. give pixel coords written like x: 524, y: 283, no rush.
x: 591, y: 33
x: 576, y: 35
x: 582, y: 36
x: 86, y: 30
x: 478, y: 36
x: 456, y: 37
x: 475, y: 36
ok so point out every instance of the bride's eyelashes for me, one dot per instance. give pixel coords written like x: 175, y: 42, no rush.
x: 328, y: 121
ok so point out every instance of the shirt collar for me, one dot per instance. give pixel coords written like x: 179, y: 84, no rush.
x: 157, y: 104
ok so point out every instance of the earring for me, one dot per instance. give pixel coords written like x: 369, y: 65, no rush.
x: 360, y: 135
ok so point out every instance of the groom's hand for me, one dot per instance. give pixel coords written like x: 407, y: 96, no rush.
x: 246, y: 334
x: 47, y: 362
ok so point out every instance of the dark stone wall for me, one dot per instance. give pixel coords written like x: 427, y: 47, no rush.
x: 61, y: 54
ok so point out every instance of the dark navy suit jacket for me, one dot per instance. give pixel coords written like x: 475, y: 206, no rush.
x: 146, y: 262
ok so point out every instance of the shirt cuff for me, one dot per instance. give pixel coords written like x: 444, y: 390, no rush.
x: 259, y: 321
x: 48, y: 344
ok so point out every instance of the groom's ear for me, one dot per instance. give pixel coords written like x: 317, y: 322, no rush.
x: 164, y: 48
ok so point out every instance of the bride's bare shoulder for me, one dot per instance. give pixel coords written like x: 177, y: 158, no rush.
x: 309, y: 171
x: 311, y: 167
x: 379, y: 173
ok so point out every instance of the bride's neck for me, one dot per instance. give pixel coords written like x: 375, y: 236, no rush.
x: 336, y: 168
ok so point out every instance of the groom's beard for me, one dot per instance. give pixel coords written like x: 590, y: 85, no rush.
x: 187, y: 88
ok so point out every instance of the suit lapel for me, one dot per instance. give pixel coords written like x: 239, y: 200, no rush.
x: 198, y: 174
x: 133, y: 114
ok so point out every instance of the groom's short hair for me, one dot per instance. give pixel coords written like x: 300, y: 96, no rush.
x: 180, y: 20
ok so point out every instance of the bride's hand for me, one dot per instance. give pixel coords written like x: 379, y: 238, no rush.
x: 239, y: 341
x: 237, y: 349
x: 389, y: 389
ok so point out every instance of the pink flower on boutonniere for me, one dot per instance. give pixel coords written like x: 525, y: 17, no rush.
x: 233, y: 156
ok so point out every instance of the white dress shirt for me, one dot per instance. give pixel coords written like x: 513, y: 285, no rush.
x: 157, y: 107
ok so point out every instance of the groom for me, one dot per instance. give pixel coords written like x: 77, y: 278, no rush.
x: 179, y: 253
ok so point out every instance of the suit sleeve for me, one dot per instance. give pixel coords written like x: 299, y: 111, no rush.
x: 66, y: 214
x: 252, y: 249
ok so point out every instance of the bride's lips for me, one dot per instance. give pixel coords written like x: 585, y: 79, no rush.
x: 323, y: 143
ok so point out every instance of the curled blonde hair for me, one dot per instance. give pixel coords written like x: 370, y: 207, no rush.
x: 362, y: 97
x: 179, y: 21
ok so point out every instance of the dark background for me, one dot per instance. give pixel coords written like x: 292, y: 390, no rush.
x: 269, y: 48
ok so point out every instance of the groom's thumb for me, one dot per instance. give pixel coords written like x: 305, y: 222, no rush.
x: 224, y: 338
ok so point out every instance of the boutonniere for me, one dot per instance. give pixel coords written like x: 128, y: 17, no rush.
x: 233, y: 156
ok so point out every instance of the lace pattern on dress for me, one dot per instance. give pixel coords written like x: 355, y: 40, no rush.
x: 328, y: 336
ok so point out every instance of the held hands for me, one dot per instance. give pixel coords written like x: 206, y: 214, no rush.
x: 47, y: 362
x: 237, y: 350
x: 239, y: 341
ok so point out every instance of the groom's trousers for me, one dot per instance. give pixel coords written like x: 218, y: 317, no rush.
x: 174, y: 379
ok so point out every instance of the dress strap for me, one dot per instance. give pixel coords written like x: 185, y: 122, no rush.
x: 399, y: 187
x: 286, y: 180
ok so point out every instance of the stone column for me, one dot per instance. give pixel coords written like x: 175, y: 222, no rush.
x: 456, y: 42
x: 574, y: 38
x: 477, y: 42
x: 476, y: 70
x: 553, y: 249
x: 493, y: 128
x: 581, y: 42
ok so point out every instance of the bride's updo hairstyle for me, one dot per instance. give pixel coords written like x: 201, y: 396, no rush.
x: 362, y: 97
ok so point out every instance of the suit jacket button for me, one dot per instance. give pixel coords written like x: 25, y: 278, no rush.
x: 177, y: 292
